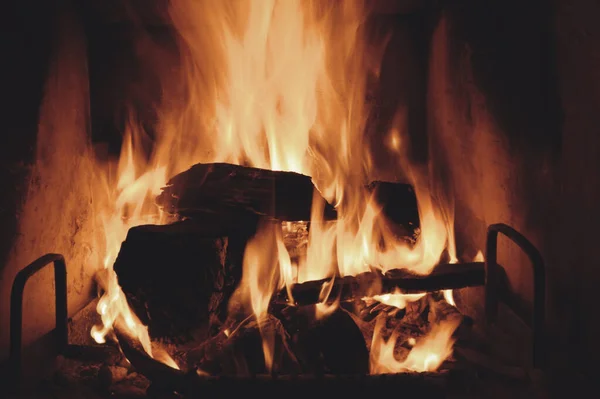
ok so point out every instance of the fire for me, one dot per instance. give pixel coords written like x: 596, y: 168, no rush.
x: 426, y: 354
x: 396, y: 299
x: 260, y: 277
x: 277, y: 84
x: 130, y: 209
x: 478, y: 257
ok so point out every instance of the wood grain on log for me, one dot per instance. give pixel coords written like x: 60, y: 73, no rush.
x: 222, y: 188
x: 232, y: 191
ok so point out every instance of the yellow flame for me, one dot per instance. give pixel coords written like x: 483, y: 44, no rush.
x: 427, y: 354
x: 260, y: 278
x: 396, y: 299
x: 448, y: 294
x: 276, y: 84
x: 130, y: 206
x: 478, y: 257
x: 449, y: 297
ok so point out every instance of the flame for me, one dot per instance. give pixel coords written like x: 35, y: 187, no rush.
x: 479, y: 257
x: 396, y: 299
x: 449, y: 297
x: 260, y: 277
x: 130, y: 209
x: 426, y: 354
x: 281, y: 85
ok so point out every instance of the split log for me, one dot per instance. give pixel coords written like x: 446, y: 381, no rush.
x: 226, y: 189
x: 178, y: 276
x: 232, y: 191
x: 444, y: 276
x: 332, y: 344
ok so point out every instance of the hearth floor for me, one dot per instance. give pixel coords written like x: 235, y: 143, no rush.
x: 111, y: 376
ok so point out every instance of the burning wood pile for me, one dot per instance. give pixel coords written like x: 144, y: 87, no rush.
x: 275, y: 248
x: 299, y: 261
x: 372, y: 322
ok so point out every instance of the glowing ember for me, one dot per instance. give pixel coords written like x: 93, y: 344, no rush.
x: 426, y: 354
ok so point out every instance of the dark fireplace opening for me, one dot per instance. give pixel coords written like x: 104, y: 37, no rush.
x: 299, y: 197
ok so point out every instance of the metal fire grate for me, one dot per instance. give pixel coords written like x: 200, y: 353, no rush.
x: 496, y: 292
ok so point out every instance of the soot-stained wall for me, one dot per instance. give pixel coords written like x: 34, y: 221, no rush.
x: 514, y: 105
x: 48, y: 168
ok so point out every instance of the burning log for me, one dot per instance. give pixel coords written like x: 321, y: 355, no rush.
x: 192, y: 384
x: 239, y: 350
x: 179, y: 276
x: 440, y: 310
x: 332, y: 344
x: 231, y: 191
x: 225, y: 189
x: 444, y: 276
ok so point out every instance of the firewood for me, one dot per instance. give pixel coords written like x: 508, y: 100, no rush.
x: 195, y: 384
x: 238, y: 349
x: 444, y: 276
x: 331, y: 344
x: 440, y: 310
x: 177, y: 276
x: 147, y: 366
x: 226, y: 189
x: 231, y: 191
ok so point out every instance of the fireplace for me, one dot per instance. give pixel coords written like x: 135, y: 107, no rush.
x: 300, y: 196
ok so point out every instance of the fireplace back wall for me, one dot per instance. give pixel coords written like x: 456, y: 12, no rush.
x: 507, y: 101
x: 46, y: 172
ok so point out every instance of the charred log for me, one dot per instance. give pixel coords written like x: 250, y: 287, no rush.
x: 191, y: 384
x: 444, y: 276
x: 332, y: 344
x: 239, y: 350
x: 226, y: 189
x: 179, y: 276
x: 232, y: 191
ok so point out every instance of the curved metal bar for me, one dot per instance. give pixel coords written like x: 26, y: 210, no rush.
x: 16, y: 307
x: 539, y: 283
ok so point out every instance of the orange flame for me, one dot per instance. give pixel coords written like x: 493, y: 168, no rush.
x: 277, y: 84
x: 260, y: 277
x: 396, y: 299
x: 130, y: 209
x: 478, y: 257
x: 427, y: 354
